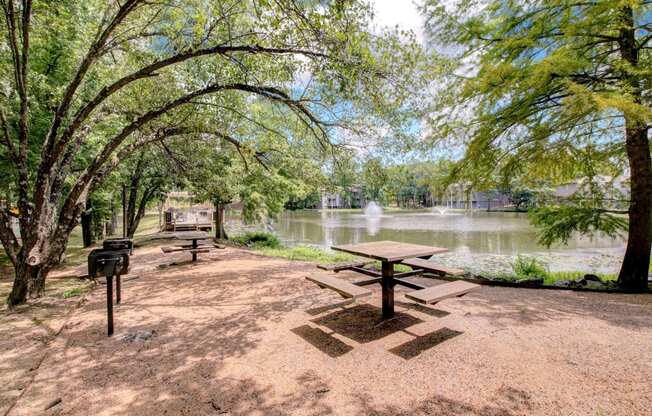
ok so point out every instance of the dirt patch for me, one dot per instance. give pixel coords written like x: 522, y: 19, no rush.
x: 240, y: 334
x: 27, y: 332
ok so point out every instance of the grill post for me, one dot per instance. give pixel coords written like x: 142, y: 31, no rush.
x: 111, y: 263
x: 109, y: 304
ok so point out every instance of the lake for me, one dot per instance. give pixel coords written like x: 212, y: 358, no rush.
x: 476, y: 235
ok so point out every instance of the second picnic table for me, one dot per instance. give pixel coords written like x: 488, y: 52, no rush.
x: 193, y: 247
x: 389, y: 253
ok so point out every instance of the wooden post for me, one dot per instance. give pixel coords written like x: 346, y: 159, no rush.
x: 387, y: 283
x: 124, y: 211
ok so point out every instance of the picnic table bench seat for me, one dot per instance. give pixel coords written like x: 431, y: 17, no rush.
x: 437, y: 293
x: 337, y: 267
x: 190, y: 245
x: 429, y: 266
x: 173, y: 249
x: 344, y: 288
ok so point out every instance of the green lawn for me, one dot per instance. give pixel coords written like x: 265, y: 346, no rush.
x: 306, y: 253
x: 75, y: 252
x: 318, y: 256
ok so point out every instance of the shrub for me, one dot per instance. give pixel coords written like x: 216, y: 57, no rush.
x: 528, y: 267
x: 258, y: 239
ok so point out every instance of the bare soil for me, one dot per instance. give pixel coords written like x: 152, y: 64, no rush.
x: 241, y: 334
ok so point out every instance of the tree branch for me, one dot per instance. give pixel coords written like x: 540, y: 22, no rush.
x: 88, y: 60
x: 94, y: 172
x: 150, y: 71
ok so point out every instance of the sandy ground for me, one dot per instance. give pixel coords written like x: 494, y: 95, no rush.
x: 240, y: 334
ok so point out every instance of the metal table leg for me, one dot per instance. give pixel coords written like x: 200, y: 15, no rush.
x: 387, y: 283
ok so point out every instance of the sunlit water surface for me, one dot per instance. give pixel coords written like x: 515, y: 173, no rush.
x: 475, y: 233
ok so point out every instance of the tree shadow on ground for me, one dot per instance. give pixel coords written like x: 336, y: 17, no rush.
x: 322, y: 309
x: 207, y: 317
x: 505, y: 307
x: 506, y: 401
x: 210, y: 318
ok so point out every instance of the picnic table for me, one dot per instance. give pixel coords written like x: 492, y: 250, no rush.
x: 194, y: 237
x: 389, y: 253
x: 193, y: 247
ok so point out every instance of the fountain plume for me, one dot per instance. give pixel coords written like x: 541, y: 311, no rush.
x: 373, y: 210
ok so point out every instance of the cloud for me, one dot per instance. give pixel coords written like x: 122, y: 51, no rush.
x: 402, y: 13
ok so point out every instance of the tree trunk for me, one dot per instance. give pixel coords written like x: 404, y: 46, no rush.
x: 634, y: 270
x: 35, y: 259
x: 29, y: 281
x: 220, y: 232
x: 87, y: 226
x: 134, y: 218
x: 113, y: 225
x: 160, y: 215
x: 131, y: 209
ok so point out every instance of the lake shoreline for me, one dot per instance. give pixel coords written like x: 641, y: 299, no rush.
x: 480, y: 242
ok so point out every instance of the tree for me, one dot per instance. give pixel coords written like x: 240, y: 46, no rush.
x: 345, y: 174
x: 311, y: 201
x: 215, y: 178
x: 398, y: 179
x: 262, y: 179
x: 89, y: 83
x: 148, y: 175
x: 550, y: 83
x: 374, y: 178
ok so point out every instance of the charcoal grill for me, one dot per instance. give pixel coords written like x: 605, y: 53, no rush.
x: 110, y: 263
x: 119, y: 244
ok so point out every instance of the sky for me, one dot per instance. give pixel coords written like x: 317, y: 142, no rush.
x: 399, y: 12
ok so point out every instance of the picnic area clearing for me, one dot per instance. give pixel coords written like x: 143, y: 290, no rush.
x: 241, y: 334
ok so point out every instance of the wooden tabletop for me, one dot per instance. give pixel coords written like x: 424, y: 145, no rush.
x: 390, y: 251
x: 191, y: 236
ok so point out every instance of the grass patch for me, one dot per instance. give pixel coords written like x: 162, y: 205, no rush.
x: 76, y: 291
x: 531, y: 268
x: 319, y: 256
x: 305, y: 253
x: 148, y: 225
x: 4, y: 259
x: 71, y: 293
x: 552, y: 277
x: 76, y: 256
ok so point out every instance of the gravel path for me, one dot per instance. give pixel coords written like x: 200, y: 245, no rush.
x: 241, y: 334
